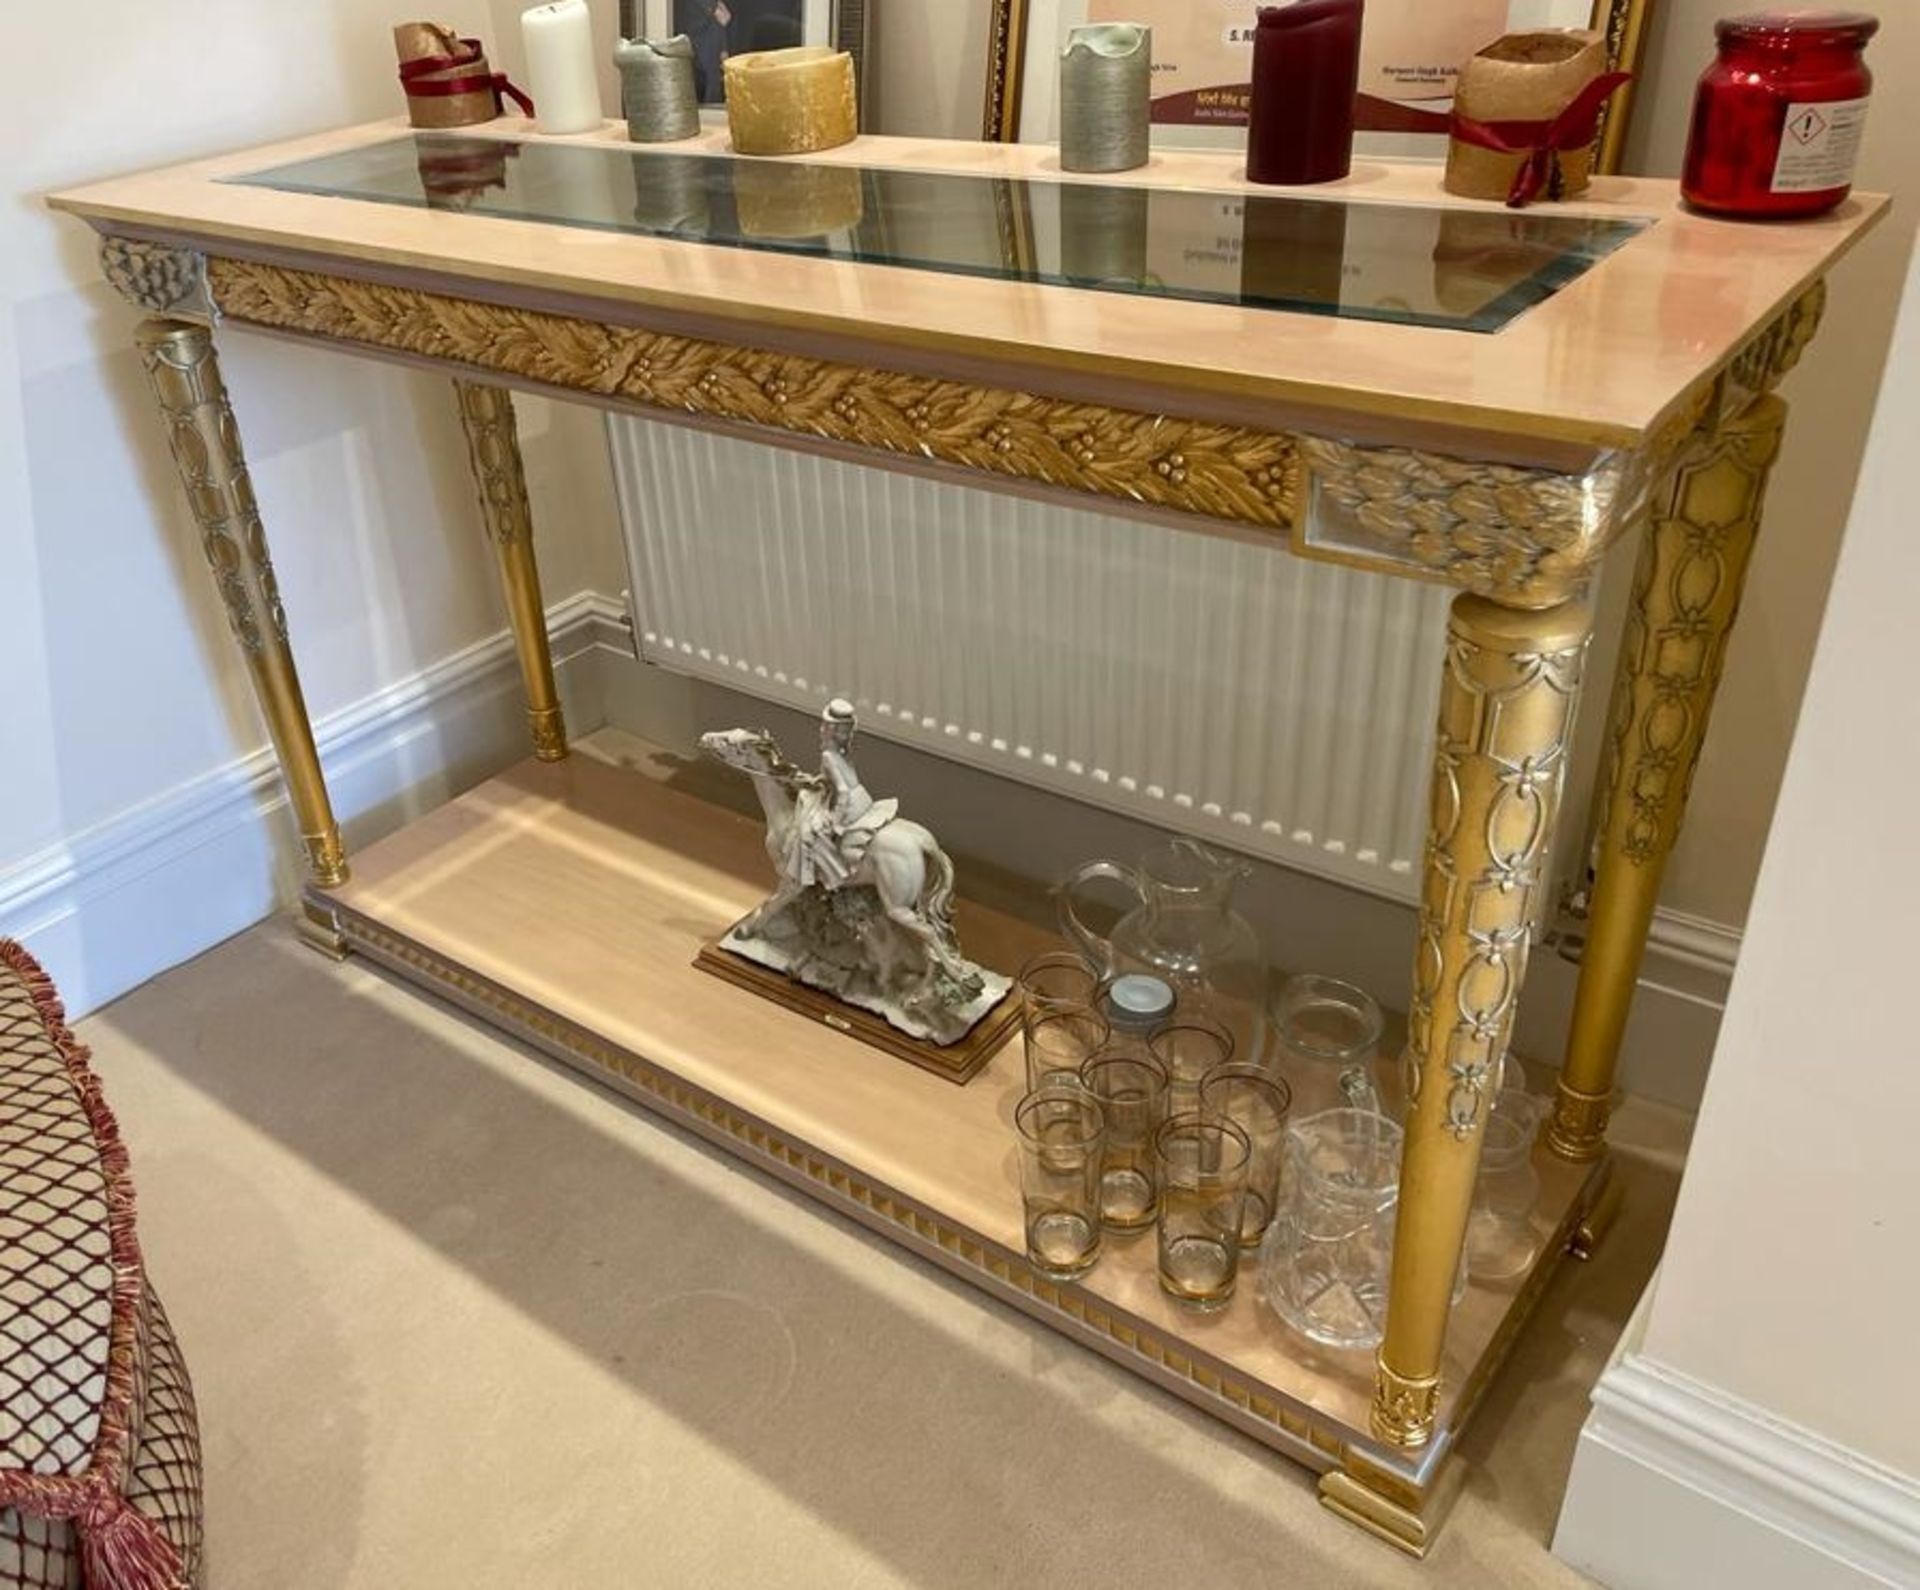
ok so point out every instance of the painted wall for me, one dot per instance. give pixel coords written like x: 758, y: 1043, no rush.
x: 1758, y: 1430
x: 120, y: 675
x: 1789, y: 1276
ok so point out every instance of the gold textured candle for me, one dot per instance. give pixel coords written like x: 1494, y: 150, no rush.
x: 791, y: 102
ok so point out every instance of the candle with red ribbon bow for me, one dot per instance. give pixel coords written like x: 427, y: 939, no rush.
x: 447, y: 80
x: 1527, y: 114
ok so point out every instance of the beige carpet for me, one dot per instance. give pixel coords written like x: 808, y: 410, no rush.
x: 458, y: 1320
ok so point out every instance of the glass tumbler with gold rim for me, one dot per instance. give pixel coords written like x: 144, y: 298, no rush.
x: 1062, y: 1133
x: 1203, y: 1184
x: 1060, y: 1043
x: 1189, y: 1047
x: 1132, y: 1090
x: 1257, y: 1102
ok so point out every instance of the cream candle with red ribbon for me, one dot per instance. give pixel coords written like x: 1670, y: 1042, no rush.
x: 1526, y: 115
x: 447, y: 80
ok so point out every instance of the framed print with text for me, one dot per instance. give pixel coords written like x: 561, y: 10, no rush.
x: 1410, y: 53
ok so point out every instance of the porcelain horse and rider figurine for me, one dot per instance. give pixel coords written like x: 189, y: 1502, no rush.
x: 863, y: 906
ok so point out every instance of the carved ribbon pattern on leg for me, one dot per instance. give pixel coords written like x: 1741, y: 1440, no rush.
x: 1505, y: 717
x: 493, y: 445
x: 205, y: 441
x: 1687, y: 587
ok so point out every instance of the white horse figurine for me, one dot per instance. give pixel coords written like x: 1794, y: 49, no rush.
x: 863, y: 908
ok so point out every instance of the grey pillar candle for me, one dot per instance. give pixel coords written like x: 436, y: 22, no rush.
x: 1105, y: 86
x: 656, y: 89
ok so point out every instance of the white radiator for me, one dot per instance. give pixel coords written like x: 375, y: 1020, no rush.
x: 1227, y: 689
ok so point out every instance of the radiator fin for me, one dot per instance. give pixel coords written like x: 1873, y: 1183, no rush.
x: 1209, y: 684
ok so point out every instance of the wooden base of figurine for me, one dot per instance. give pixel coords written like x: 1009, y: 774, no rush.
x: 958, y: 1062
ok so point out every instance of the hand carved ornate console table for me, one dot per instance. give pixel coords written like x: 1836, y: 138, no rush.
x: 1371, y: 372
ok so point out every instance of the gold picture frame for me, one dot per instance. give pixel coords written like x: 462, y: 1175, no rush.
x: 1011, y: 33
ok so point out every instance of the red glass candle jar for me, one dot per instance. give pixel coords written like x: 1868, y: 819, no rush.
x: 1778, y: 117
x: 1306, y: 75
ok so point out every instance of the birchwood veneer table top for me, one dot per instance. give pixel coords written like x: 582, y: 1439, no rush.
x: 1602, y: 363
x: 568, y: 901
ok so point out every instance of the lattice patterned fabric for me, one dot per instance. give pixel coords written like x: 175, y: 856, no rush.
x: 99, y: 1450
x: 165, y: 1481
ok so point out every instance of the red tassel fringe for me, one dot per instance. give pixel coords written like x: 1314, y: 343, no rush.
x: 121, y: 1548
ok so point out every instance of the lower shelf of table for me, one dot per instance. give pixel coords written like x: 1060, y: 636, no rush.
x: 566, y: 903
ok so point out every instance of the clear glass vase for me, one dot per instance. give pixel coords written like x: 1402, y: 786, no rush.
x: 1501, y: 1240
x: 1325, y: 1031
x: 1182, y: 929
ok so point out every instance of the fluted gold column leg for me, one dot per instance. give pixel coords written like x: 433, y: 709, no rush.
x: 1506, y: 708
x: 1693, y: 566
x: 487, y: 414
x: 185, y: 375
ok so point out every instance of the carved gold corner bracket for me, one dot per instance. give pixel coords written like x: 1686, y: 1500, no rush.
x: 1520, y: 536
x: 1771, y: 356
x: 157, y: 277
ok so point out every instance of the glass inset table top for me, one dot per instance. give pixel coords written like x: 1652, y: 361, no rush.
x: 1467, y: 270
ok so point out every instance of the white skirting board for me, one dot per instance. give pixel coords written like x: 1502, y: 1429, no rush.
x: 1677, y: 1485
x: 119, y: 903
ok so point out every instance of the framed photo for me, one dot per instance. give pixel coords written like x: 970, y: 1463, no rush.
x: 720, y: 28
x: 1410, y: 53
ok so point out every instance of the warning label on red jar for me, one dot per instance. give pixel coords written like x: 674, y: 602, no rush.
x: 1819, y: 145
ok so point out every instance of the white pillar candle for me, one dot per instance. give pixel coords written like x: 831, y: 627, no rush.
x: 561, y: 73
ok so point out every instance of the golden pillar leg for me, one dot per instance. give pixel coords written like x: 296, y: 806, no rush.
x: 185, y: 375
x: 1687, y: 588
x: 1506, y: 708
x: 487, y: 413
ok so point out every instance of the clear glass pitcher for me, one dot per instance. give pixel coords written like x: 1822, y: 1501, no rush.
x: 1185, y: 931
x: 1325, y: 1264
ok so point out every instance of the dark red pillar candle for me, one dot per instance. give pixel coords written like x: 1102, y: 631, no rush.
x: 1306, y: 73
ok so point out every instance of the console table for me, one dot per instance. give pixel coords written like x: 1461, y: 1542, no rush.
x: 1371, y: 371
